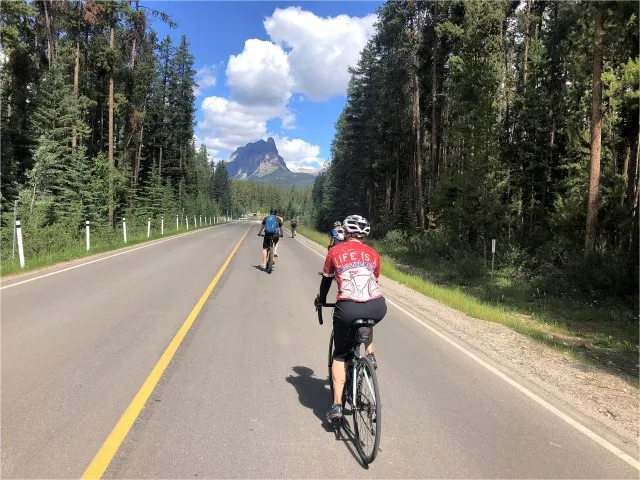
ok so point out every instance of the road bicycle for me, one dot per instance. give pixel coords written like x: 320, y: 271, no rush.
x: 361, y: 396
x: 270, y: 248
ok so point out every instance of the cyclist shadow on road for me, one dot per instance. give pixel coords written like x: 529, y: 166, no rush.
x: 259, y: 267
x: 313, y: 393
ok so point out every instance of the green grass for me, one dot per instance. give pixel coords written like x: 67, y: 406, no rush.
x: 99, y: 244
x: 311, y: 234
x: 616, y: 352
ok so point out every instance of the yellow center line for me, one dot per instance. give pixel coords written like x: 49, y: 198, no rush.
x: 111, y: 445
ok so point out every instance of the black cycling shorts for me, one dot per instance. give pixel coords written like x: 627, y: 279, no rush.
x: 267, y: 236
x: 347, y: 312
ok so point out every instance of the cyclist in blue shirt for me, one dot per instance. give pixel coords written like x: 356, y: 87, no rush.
x: 271, y: 225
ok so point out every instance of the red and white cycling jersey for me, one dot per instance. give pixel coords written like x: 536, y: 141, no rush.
x: 356, y: 267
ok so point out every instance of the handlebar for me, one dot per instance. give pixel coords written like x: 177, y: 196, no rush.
x: 319, y: 309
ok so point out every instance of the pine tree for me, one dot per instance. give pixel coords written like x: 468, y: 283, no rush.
x: 58, y: 172
x: 221, y: 188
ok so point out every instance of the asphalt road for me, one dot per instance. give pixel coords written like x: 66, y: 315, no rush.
x: 246, y: 393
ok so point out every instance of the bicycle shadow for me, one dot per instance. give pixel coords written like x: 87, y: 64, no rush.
x: 314, y: 393
x: 258, y: 267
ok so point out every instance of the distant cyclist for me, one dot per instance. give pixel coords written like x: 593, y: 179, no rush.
x: 337, y: 235
x: 294, y: 224
x: 356, y: 268
x: 271, y: 226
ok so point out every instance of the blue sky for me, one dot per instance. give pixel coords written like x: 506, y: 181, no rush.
x: 271, y: 69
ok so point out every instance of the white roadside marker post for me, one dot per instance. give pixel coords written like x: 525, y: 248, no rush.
x: 87, y: 229
x: 493, y: 253
x: 20, y: 246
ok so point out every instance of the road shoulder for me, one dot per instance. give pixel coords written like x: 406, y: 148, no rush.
x: 19, y: 277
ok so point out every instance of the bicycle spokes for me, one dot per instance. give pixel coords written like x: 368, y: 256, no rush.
x: 367, y: 412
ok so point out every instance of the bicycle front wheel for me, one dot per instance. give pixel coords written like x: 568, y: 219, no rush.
x: 367, y: 411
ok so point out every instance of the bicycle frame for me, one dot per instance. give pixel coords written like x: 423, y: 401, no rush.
x: 270, y: 250
x: 366, y: 412
x: 352, y: 364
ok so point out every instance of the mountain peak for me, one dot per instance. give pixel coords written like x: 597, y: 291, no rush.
x: 256, y: 159
x: 261, y: 161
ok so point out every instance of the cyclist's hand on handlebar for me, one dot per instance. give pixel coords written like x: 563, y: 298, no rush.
x: 319, y: 302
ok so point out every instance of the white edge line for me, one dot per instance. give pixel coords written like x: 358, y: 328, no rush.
x: 563, y: 416
x: 145, y: 245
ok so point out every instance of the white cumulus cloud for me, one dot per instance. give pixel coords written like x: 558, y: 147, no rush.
x: 228, y: 124
x: 298, y: 154
x: 260, y: 75
x: 205, y: 78
x: 320, y: 50
x: 307, y: 55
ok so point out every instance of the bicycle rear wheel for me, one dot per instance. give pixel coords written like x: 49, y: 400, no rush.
x: 367, y: 411
x: 270, y: 259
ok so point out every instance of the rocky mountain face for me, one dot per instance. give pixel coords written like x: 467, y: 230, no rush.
x: 255, y: 159
x: 260, y: 161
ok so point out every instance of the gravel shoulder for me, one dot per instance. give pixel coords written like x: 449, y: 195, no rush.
x: 597, y: 395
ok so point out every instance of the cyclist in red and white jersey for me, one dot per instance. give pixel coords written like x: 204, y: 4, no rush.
x: 356, y: 268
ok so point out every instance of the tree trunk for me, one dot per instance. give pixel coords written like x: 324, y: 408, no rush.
x: 49, y: 33
x: 417, y: 125
x: 632, y: 179
x: 434, y: 99
x: 396, y: 193
x: 387, y: 198
x: 111, y: 160
x: 180, y: 176
x: 596, y: 135
x: 526, y: 46
x: 415, y: 29
x: 133, y: 53
x: 625, y: 166
x: 136, y: 169
x: 160, y: 163
x: 76, y: 79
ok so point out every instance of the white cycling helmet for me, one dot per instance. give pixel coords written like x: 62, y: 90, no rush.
x: 357, y: 226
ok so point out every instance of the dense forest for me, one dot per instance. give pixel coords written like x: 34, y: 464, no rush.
x: 513, y: 120
x: 249, y: 196
x: 98, y: 121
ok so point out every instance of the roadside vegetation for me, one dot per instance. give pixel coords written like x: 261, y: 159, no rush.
x: 605, y: 335
x: 97, y: 124
x: 467, y: 122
